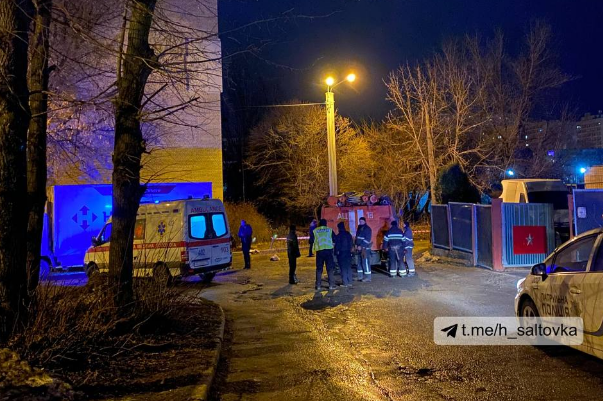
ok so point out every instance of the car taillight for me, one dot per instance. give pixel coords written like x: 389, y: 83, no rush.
x: 184, y: 256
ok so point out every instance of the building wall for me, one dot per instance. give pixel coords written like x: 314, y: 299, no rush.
x: 589, y: 131
x: 182, y: 123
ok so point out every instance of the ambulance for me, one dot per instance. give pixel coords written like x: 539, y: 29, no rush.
x: 569, y: 283
x: 171, y: 239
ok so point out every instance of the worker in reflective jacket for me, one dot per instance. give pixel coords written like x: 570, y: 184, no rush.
x: 323, y: 245
x: 363, y: 246
x: 409, y: 244
x: 394, y: 244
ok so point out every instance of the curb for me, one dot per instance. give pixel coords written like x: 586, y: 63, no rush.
x: 193, y: 392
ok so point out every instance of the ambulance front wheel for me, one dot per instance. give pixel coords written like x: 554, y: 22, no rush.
x: 91, y: 269
x: 162, y: 275
x: 206, y: 278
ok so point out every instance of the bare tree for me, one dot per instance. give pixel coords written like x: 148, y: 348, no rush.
x: 14, y: 121
x: 288, y: 152
x: 36, y: 136
x: 134, y: 68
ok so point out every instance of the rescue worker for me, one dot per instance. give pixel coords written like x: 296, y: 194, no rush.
x: 394, y: 244
x: 245, y: 233
x: 323, y: 245
x: 292, y: 253
x: 409, y: 244
x: 343, y: 251
x: 311, y: 240
x: 363, y: 246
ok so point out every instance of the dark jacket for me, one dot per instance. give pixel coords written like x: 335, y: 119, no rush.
x: 408, y: 241
x: 292, y: 245
x: 343, y: 241
x: 245, y: 233
x: 394, y: 237
x: 363, y: 236
x: 312, y: 227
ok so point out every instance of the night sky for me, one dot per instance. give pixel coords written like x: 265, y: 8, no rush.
x: 375, y: 37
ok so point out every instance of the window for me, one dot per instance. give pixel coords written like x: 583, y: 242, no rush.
x: 198, y: 226
x: 557, y: 198
x: 139, y: 229
x: 207, y: 226
x: 106, y: 234
x: 219, y: 224
x: 522, y: 198
x: 574, y: 258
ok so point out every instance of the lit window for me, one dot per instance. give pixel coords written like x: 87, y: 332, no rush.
x: 198, y: 226
x: 219, y: 224
x: 526, y: 137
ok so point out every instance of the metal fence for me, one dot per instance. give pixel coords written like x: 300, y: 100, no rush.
x: 525, y: 214
x: 440, y: 230
x: 483, y: 235
x: 588, y: 210
x: 461, y: 217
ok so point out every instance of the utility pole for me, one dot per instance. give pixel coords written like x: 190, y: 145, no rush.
x: 331, y: 147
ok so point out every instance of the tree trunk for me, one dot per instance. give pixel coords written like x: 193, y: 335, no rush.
x: 36, y: 137
x: 14, y: 120
x: 431, y: 164
x: 138, y: 61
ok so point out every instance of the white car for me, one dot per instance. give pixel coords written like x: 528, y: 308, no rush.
x: 569, y: 283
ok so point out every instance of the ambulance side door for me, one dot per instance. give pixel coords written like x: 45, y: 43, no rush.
x: 220, y: 252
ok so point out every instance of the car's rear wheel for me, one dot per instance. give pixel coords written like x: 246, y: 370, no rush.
x: 162, y: 275
x: 206, y: 278
x: 528, y: 309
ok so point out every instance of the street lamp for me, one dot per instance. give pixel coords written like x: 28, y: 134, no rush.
x: 510, y: 173
x: 330, y: 103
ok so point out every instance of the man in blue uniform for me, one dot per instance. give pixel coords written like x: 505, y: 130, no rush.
x: 394, y: 244
x: 245, y: 233
x: 363, y: 244
x: 343, y: 251
x: 409, y: 244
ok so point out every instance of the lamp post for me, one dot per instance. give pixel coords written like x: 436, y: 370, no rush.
x: 331, y: 145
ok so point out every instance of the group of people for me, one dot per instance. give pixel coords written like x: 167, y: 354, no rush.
x: 398, y: 243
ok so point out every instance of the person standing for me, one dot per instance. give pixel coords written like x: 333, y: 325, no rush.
x: 363, y: 246
x: 394, y: 243
x: 343, y: 251
x: 311, y: 240
x: 245, y: 233
x: 323, y: 245
x: 292, y: 253
x: 409, y: 244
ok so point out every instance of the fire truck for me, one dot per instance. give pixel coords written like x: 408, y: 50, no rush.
x: 378, y: 212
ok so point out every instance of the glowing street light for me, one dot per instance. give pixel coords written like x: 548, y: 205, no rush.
x: 330, y: 103
x: 582, y: 170
x: 510, y: 173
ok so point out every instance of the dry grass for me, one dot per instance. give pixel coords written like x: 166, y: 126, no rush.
x: 79, y: 336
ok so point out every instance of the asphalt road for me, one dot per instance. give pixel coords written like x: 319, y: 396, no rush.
x: 375, y: 341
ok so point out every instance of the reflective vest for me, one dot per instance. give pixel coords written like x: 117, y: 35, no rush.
x: 323, y: 238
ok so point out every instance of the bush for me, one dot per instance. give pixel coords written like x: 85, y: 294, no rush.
x: 248, y: 212
x: 71, y: 326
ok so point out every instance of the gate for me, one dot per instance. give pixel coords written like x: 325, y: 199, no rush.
x: 461, y: 217
x: 528, y: 233
x: 483, y: 235
x: 440, y: 234
x: 588, y: 210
